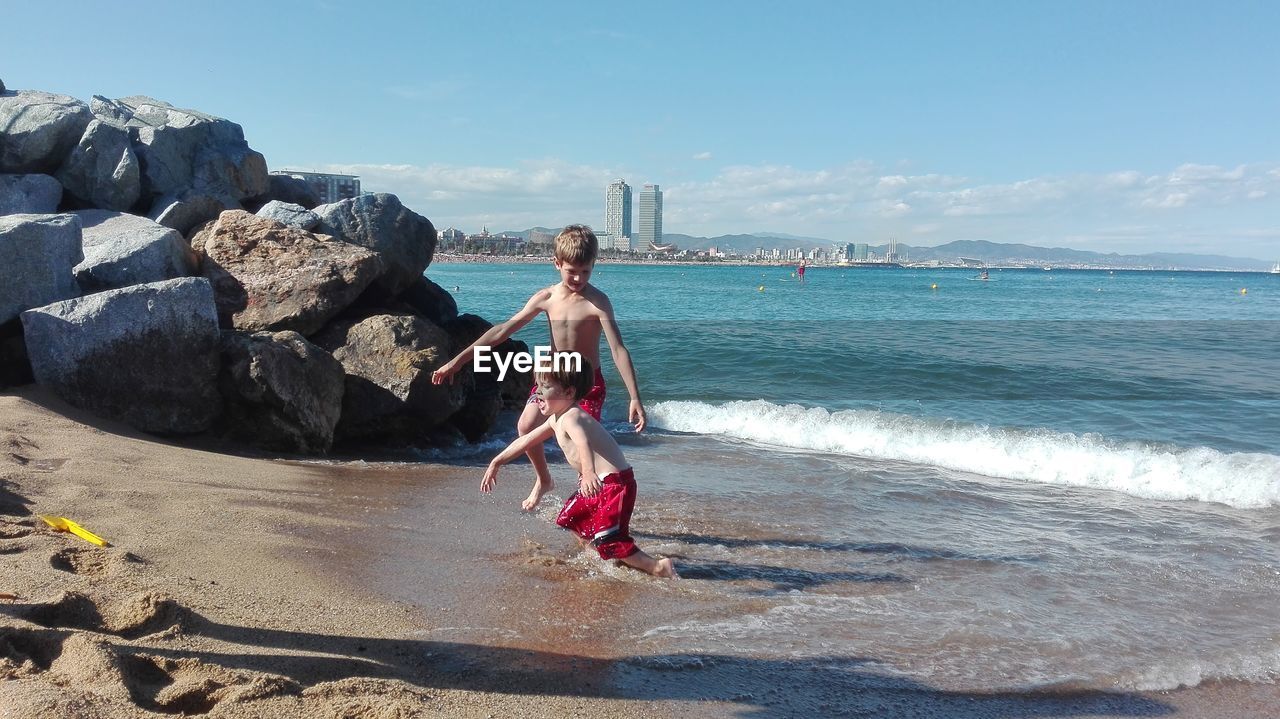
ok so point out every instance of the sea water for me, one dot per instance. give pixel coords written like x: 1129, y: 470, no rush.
x: 1047, y: 479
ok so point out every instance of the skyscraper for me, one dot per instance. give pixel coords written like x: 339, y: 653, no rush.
x: 650, y: 217
x: 617, y: 214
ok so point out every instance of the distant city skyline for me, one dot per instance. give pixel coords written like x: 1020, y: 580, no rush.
x: 1130, y: 127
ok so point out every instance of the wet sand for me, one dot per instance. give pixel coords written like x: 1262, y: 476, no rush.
x: 243, y: 587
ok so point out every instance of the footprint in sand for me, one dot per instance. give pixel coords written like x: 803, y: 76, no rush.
x: 90, y: 561
x: 173, y: 686
x: 40, y: 465
x: 13, y: 530
x: 18, y: 443
x: 24, y: 652
x: 137, y: 616
x: 189, y: 686
x: 19, y: 450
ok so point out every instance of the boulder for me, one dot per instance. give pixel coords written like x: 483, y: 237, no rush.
x: 289, y: 214
x: 187, y: 150
x: 431, y: 301
x: 29, y: 194
x: 270, y: 277
x: 281, y: 392
x: 388, y: 360
x: 38, y: 130
x: 285, y: 188
x: 122, y: 250
x: 102, y: 171
x: 513, y: 391
x: 488, y: 396
x: 404, y: 239
x: 187, y: 210
x: 146, y: 355
x: 37, y: 254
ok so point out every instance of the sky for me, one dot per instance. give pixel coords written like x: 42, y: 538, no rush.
x: 1126, y: 126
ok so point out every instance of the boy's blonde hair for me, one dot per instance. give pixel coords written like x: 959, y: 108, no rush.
x: 577, y: 245
x: 564, y: 376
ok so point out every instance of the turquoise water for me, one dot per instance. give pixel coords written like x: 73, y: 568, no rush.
x: 1051, y: 478
x: 1178, y: 358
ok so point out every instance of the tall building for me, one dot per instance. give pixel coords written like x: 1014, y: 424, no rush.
x: 617, y: 214
x: 650, y: 217
x: 328, y: 187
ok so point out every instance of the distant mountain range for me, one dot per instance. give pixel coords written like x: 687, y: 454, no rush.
x: 995, y: 253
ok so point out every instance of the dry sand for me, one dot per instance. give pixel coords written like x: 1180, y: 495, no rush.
x: 222, y: 595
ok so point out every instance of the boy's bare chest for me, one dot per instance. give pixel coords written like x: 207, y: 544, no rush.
x: 567, y: 446
x: 572, y: 321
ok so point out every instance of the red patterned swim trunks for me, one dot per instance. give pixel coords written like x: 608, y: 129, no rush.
x: 605, y: 519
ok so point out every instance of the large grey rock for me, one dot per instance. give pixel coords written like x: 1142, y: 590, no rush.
x: 38, y: 130
x: 404, y: 239
x: 37, y: 254
x: 388, y: 361
x: 285, y: 188
x: 431, y: 301
x: 289, y: 214
x: 187, y: 150
x: 29, y: 194
x: 271, y: 277
x: 281, y: 391
x: 187, y: 210
x: 102, y: 171
x: 488, y: 395
x: 122, y: 250
x: 146, y: 355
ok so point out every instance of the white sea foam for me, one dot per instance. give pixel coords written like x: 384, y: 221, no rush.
x: 1263, y: 667
x: 1245, y: 480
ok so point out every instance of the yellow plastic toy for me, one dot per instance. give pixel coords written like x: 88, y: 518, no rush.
x: 62, y: 524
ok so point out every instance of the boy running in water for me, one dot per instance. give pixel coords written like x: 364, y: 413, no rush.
x: 600, y: 511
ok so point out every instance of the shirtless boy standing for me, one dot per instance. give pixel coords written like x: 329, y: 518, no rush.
x: 577, y: 313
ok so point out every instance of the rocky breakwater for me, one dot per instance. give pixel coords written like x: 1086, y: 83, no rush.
x: 137, y: 282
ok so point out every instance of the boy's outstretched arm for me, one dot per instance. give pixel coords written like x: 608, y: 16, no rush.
x: 622, y: 360
x: 513, y: 450
x: 494, y: 335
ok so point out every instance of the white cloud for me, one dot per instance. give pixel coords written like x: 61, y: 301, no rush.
x: 1192, y: 203
x: 702, y: 156
x: 1173, y: 199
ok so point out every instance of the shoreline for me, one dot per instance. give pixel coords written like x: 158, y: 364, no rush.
x: 444, y: 258
x: 240, y: 586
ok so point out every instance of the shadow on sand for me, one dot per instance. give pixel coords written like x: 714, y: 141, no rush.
x: 831, y: 686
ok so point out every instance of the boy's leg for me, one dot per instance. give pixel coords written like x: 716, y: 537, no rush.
x: 657, y: 567
x: 530, y: 420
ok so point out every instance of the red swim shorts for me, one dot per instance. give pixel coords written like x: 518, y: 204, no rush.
x: 591, y: 404
x: 605, y: 519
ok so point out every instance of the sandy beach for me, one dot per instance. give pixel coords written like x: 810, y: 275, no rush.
x: 238, y: 586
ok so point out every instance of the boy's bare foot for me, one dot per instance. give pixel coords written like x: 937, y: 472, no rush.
x: 666, y: 568
x: 535, y: 495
